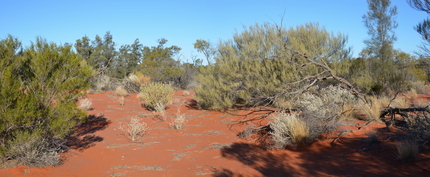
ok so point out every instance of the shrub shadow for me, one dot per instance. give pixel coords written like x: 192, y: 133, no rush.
x: 82, y: 137
x: 352, y: 156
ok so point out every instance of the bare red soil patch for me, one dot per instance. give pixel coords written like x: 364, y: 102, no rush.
x: 208, y: 146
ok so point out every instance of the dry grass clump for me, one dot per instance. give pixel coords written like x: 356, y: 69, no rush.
x: 401, y: 102
x: 139, y: 78
x: 283, y: 103
x: 372, y: 110
x: 85, y: 104
x: 178, y: 121
x: 156, y: 94
x: 186, y: 93
x: 288, y: 129
x: 372, y: 138
x: 412, y: 93
x: 135, y: 129
x: 160, y: 111
x: 120, y: 91
x: 407, y: 150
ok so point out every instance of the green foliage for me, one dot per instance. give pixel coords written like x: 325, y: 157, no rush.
x: 206, y: 48
x: 156, y: 93
x: 258, y: 63
x: 380, y: 22
x: 39, y: 88
x: 158, y: 62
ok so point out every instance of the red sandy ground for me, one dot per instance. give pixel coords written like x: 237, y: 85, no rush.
x: 208, y: 146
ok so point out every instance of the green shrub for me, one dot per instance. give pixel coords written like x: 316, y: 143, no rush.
x: 39, y: 89
x: 261, y: 62
x: 156, y: 93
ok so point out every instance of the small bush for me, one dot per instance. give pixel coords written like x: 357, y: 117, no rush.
x: 322, y: 111
x: 372, y: 110
x: 407, y: 150
x: 35, y: 152
x: 178, y: 121
x: 160, y: 109
x: 288, y: 129
x: 120, y: 91
x: 156, y: 93
x: 134, y: 130
x: 186, y: 93
x: 85, y: 104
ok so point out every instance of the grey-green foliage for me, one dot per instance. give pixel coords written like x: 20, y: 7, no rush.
x: 39, y: 87
x: 261, y: 62
x: 321, y: 111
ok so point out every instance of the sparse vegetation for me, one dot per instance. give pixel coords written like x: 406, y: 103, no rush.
x: 178, y: 121
x: 407, y: 150
x: 135, y: 129
x: 372, y: 110
x: 120, y: 91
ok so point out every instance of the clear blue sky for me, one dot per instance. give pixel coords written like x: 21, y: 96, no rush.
x: 181, y: 22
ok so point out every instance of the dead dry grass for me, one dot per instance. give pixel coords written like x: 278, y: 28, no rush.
x: 135, y: 129
x: 120, y: 91
x: 288, y: 129
x: 85, y: 104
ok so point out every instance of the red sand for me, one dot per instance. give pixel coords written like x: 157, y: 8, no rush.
x: 208, y: 146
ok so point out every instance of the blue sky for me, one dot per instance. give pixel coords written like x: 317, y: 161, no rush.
x: 181, y: 22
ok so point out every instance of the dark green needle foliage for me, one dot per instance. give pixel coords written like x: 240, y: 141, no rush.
x: 39, y: 87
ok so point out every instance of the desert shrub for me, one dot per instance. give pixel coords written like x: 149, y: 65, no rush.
x: 156, y: 93
x: 39, y: 89
x: 260, y: 63
x: 160, y: 111
x: 407, y: 150
x: 288, y: 129
x: 120, y: 91
x: 178, y: 121
x: 322, y: 111
x: 135, y: 129
x: 34, y: 152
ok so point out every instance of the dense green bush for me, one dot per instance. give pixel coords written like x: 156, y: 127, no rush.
x: 39, y: 87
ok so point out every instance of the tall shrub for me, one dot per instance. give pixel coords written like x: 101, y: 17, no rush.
x: 261, y: 62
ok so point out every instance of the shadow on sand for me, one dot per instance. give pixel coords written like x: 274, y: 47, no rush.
x: 83, y: 135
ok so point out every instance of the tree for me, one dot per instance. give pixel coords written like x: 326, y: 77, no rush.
x: 423, y: 28
x: 158, y: 62
x: 266, y: 64
x: 206, y: 48
x: 127, y: 60
x: 39, y: 87
x: 380, y: 22
x: 100, y: 54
